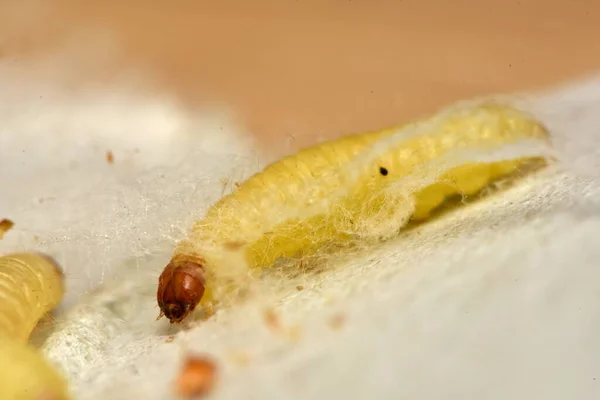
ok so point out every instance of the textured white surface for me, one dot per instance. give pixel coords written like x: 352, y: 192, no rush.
x: 500, y: 300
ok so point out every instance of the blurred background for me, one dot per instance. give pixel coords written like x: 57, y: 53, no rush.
x: 295, y: 71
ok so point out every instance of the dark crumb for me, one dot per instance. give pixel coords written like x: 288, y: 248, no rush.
x: 5, y: 226
x: 299, y: 287
x: 197, y: 377
x: 337, y: 321
x: 110, y: 158
x: 170, y: 339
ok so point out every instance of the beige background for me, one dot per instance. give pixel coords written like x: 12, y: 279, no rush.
x: 309, y: 68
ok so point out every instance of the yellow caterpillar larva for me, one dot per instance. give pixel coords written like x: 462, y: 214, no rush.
x: 359, y: 187
x: 31, y: 285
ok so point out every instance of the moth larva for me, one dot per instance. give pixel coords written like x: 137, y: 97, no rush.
x: 359, y: 187
x: 31, y: 285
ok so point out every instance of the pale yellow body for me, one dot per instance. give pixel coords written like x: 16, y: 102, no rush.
x: 336, y: 191
x: 30, y: 287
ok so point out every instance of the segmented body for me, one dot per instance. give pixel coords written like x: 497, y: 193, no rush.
x: 359, y: 187
x: 31, y: 285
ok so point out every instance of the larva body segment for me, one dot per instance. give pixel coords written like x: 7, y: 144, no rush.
x: 31, y: 285
x: 361, y: 187
x: 26, y: 375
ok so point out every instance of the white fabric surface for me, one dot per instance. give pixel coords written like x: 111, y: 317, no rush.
x: 500, y: 300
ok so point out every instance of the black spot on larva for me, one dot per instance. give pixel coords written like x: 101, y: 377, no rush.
x: 383, y: 171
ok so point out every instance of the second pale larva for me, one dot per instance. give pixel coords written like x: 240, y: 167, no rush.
x: 31, y: 285
x: 359, y: 187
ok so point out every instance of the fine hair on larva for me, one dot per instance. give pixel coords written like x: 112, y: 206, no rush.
x: 31, y: 285
x: 354, y: 190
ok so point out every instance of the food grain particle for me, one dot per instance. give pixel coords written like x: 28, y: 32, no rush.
x: 5, y: 226
x: 197, y: 377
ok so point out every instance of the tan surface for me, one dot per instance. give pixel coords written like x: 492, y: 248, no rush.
x: 327, y: 67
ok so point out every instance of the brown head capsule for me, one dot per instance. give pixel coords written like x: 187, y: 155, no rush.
x: 180, y: 288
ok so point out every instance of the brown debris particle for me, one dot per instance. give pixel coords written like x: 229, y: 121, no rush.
x: 299, y: 288
x: 110, y: 158
x: 291, y: 333
x: 170, y: 339
x: 234, y: 245
x: 337, y: 321
x: 197, y: 377
x: 272, y: 320
x: 208, y: 311
x: 5, y: 226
